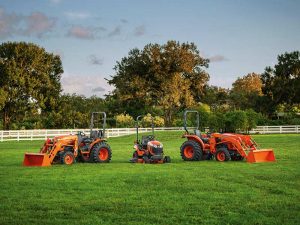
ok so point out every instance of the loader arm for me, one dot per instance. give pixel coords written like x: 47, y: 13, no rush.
x: 47, y: 154
x: 236, y: 144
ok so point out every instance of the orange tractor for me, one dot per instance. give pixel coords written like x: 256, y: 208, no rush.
x: 221, y: 146
x: 148, y: 150
x: 70, y: 148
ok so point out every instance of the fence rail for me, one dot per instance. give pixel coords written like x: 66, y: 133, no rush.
x: 21, y: 135
x: 289, y: 129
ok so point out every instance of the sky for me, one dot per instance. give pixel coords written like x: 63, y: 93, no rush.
x: 239, y: 37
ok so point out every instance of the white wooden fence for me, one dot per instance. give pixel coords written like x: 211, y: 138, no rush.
x: 20, y: 135
x: 289, y: 129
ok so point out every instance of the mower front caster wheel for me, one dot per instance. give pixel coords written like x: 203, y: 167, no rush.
x: 167, y: 159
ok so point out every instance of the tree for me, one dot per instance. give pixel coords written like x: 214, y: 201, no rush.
x: 216, y: 97
x: 252, y: 119
x: 168, y: 76
x: 235, y: 120
x: 246, y: 91
x: 30, y: 78
x: 281, y: 84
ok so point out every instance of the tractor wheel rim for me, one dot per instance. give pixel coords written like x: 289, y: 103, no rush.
x: 103, y: 154
x: 188, y: 152
x: 221, y: 156
x: 68, y: 159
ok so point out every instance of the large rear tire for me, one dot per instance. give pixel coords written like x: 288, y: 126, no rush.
x: 222, y: 155
x: 191, y: 151
x: 101, y: 153
x: 67, y: 158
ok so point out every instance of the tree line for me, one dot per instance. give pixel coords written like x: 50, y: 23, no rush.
x: 159, y: 79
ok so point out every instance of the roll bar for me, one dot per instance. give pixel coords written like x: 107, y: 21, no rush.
x: 104, y: 121
x: 185, y: 119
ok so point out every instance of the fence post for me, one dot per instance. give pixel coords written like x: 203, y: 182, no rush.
x: 18, y: 135
x: 2, y: 136
x: 280, y: 129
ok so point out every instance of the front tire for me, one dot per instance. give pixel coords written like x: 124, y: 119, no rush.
x: 67, y: 158
x: 191, y: 151
x: 101, y: 153
x: 222, y: 155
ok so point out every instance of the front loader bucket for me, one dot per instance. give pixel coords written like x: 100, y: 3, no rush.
x: 263, y: 155
x: 36, y: 159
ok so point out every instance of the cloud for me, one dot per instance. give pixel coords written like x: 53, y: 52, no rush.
x: 139, y: 31
x: 8, y: 23
x: 36, y: 24
x: 124, y: 21
x: 86, y: 85
x: 217, y: 58
x: 115, y: 32
x: 94, y: 60
x: 77, y: 15
x: 98, y: 89
x: 81, y: 32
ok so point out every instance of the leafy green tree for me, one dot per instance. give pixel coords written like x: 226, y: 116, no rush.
x: 216, y: 97
x: 252, y: 119
x: 216, y: 122
x: 235, y: 120
x: 246, y: 91
x: 281, y: 84
x: 74, y: 111
x: 30, y: 78
x: 168, y: 76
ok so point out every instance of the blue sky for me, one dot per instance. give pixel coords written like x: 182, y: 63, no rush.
x: 91, y: 35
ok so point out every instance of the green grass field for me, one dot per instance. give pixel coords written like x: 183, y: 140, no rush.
x: 206, y: 192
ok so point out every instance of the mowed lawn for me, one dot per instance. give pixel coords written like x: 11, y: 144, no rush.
x: 205, y: 192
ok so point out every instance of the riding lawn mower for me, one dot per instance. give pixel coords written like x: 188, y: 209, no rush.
x: 148, y: 150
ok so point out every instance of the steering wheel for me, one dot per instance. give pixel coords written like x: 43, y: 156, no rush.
x: 80, y: 133
x: 150, y: 137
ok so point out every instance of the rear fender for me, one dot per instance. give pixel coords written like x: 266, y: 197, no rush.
x: 98, y: 140
x: 195, y: 139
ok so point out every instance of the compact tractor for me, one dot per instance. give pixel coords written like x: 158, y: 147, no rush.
x: 67, y: 149
x: 148, y: 150
x: 221, y: 146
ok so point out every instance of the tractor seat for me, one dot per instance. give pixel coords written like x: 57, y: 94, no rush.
x: 145, y: 141
x: 95, y: 134
x: 198, y: 133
